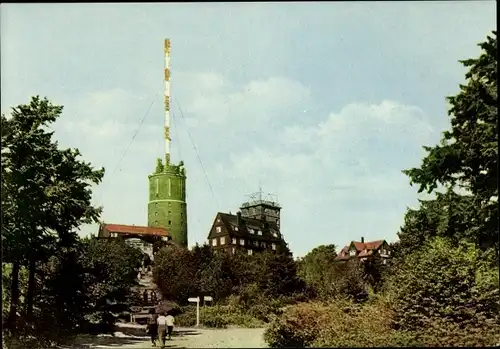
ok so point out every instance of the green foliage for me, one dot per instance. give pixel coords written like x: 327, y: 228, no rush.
x: 467, y: 158
x: 336, y: 324
x: 173, y: 271
x: 83, y: 285
x: 448, y: 294
x: 46, y: 193
x: 180, y: 274
x: 318, y: 269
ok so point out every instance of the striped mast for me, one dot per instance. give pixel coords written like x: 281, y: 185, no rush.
x: 167, y: 101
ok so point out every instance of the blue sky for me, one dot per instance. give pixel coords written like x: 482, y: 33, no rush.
x: 323, y: 104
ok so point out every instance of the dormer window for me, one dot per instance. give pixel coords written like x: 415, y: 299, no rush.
x: 251, y: 231
x: 218, y: 220
x: 236, y: 228
x: 275, y: 234
x: 352, y: 252
x: 259, y: 232
x: 218, y: 229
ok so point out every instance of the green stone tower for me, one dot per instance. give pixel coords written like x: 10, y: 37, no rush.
x: 167, y: 200
x: 167, y: 185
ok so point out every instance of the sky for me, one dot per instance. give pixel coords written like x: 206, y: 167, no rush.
x: 322, y: 104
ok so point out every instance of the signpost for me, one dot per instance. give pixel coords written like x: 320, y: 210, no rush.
x: 197, y: 301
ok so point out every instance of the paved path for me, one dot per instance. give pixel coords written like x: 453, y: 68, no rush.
x: 183, y: 338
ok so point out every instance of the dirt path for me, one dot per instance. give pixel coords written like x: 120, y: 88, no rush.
x: 183, y: 338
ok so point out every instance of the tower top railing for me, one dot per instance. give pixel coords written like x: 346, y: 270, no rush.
x: 260, y: 202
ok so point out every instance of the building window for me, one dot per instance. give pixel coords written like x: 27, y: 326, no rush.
x: 250, y: 252
x: 384, y: 261
x: 222, y: 240
x: 156, y: 222
x: 242, y: 242
x: 214, y: 242
x: 273, y: 246
x: 164, y: 238
x: 233, y: 250
x: 256, y: 243
x: 251, y: 231
x: 169, y: 222
x: 264, y: 245
x: 236, y: 228
x: 352, y: 252
x: 218, y: 229
x: 259, y: 232
x: 169, y: 212
x: 218, y: 220
x: 234, y: 241
x: 275, y: 234
x: 113, y: 235
x: 156, y: 213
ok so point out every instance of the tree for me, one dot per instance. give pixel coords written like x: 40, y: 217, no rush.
x: 319, y: 268
x: 467, y: 158
x: 174, y: 271
x: 46, y: 192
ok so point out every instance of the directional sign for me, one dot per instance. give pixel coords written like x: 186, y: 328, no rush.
x: 194, y: 299
x: 208, y: 299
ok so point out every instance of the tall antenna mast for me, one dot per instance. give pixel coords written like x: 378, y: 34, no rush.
x: 167, y: 101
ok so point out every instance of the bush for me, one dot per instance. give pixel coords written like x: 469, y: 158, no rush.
x: 217, y: 316
x: 448, y: 294
x: 338, y: 324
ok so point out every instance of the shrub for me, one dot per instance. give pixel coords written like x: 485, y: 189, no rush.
x: 448, y: 294
x: 217, y: 316
x: 338, y: 324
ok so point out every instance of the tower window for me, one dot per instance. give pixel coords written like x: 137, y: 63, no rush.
x: 169, y: 204
x: 156, y: 222
x: 156, y: 213
x: 169, y: 222
x: 169, y: 212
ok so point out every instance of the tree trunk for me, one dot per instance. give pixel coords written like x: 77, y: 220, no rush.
x: 14, y: 296
x: 31, y: 288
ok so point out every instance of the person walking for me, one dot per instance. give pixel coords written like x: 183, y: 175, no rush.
x: 170, y: 325
x: 162, y: 323
x: 153, y: 328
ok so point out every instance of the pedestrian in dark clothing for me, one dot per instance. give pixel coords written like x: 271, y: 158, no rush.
x: 153, y: 328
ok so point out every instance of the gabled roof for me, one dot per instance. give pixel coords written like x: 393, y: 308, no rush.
x: 133, y: 229
x: 363, y: 249
x: 230, y: 221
